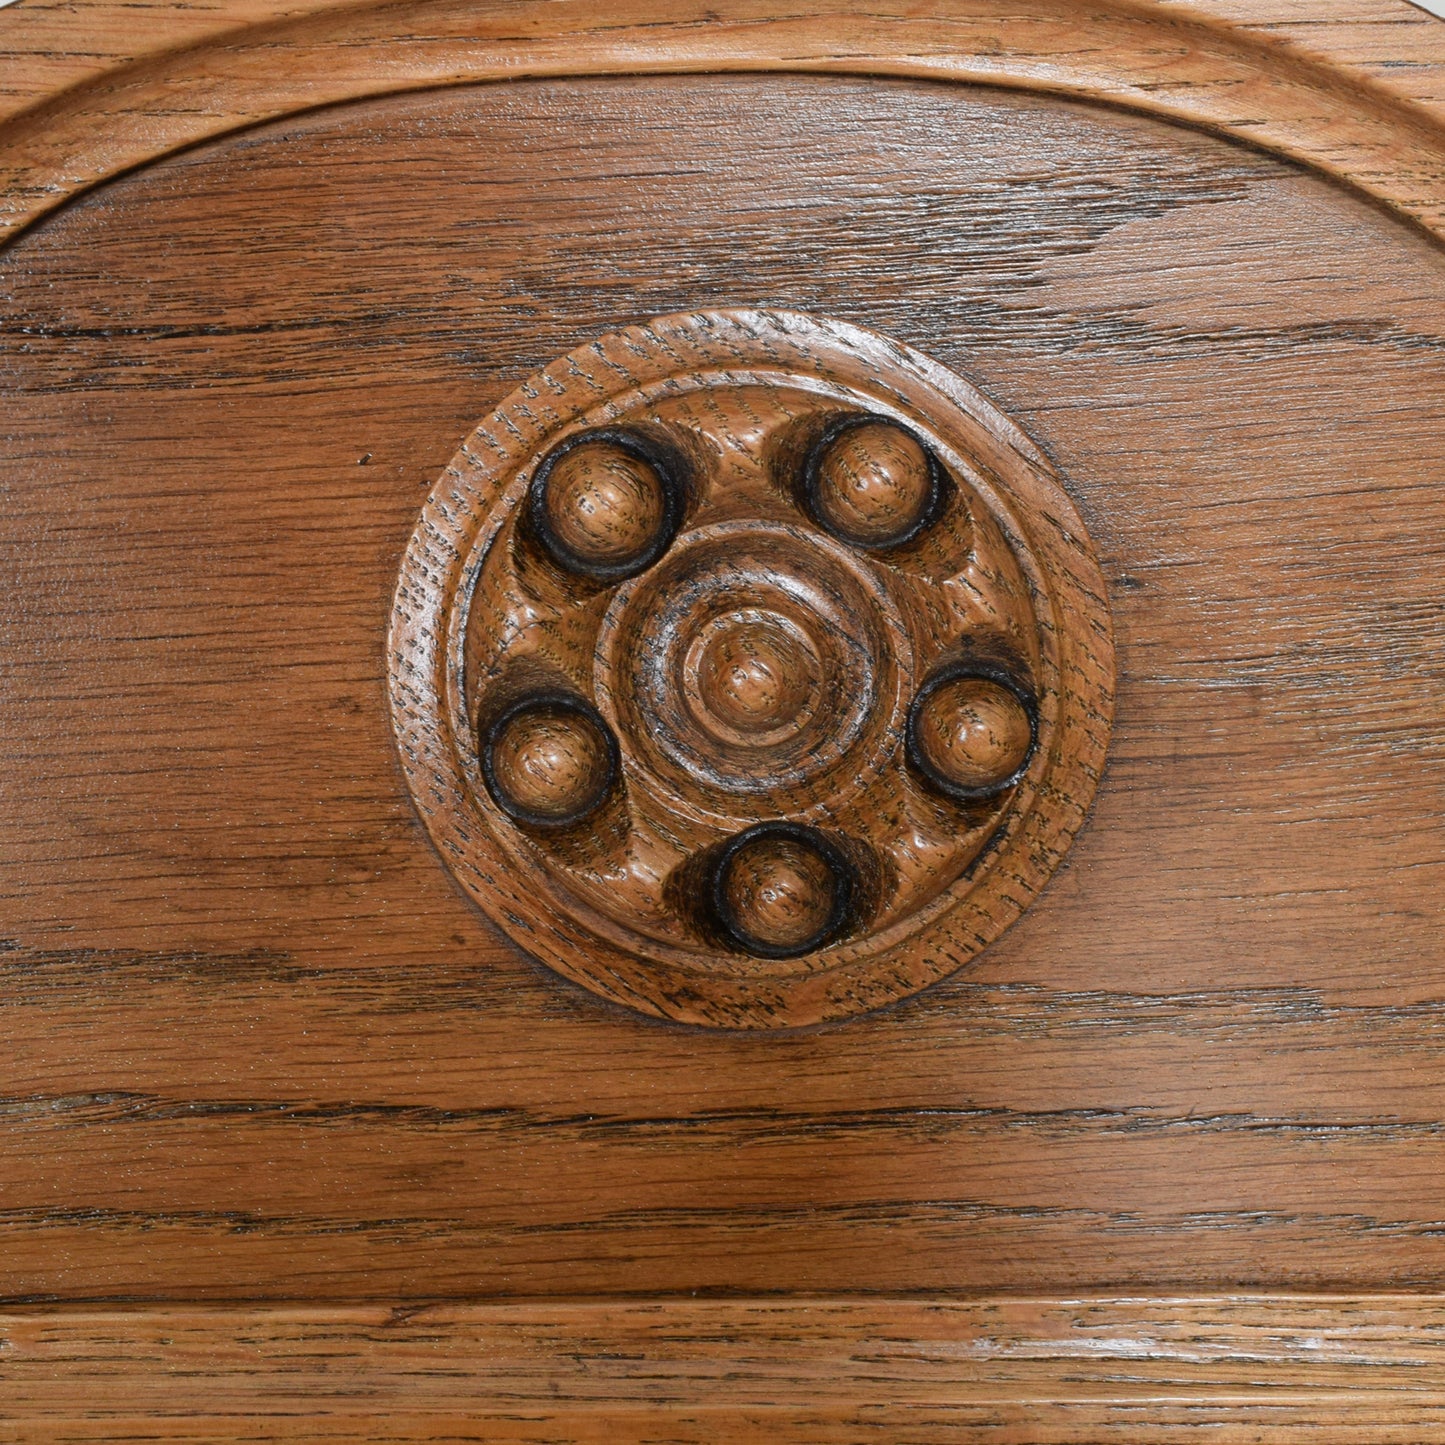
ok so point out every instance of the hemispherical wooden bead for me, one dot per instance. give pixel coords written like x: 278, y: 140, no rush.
x: 971, y: 735
x: 779, y: 892
x: 604, y: 506
x: 873, y: 485
x: 550, y: 762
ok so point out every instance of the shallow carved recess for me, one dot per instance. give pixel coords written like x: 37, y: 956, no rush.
x: 750, y: 669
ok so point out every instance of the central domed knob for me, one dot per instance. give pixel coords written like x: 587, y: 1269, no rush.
x: 752, y: 659
x: 757, y: 673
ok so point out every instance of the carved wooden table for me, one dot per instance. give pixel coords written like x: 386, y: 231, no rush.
x: 743, y: 740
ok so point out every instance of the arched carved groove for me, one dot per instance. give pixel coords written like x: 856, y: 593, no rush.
x: 1141, y: 56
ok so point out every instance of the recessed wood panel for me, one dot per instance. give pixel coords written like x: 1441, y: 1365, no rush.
x: 259, y: 1044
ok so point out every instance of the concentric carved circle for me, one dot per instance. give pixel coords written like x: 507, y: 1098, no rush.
x: 753, y: 661
x: 749, y: 669
x: 759, y: 676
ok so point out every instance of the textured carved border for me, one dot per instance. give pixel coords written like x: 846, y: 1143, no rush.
x: 1366, y: 1369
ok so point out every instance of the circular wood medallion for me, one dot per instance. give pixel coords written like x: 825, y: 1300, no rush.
x: 750, y: 669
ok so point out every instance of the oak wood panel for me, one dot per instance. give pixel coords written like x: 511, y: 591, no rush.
x: 1045, y: 1372
x: 1161, y: 58
x: 258, y: 1043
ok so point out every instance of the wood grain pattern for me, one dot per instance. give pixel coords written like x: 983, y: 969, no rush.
x: 256, y: 1045
x: 260, y: 1044
x: 1344, y: 1370
x: 1150, y: 57
x: 47, y: 46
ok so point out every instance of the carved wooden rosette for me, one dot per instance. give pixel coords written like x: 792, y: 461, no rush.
x: 750, y: 669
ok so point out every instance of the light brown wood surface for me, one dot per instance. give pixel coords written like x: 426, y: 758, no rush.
x: 1200, y: 1058
x: 259, y: 1046
x: 1343, y: 1370
x: 1153, y: 57
x: 50, y: 45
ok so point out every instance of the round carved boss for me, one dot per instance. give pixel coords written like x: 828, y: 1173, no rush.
x: 750, y: 669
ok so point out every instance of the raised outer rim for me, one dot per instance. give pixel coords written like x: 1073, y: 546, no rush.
x: 1076, y: 694
x: 1141, y: 54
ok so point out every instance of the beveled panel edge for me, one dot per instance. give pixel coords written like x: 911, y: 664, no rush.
x: 47, y: 47
x: 1148, y: 56
x: 1071, y: 1369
